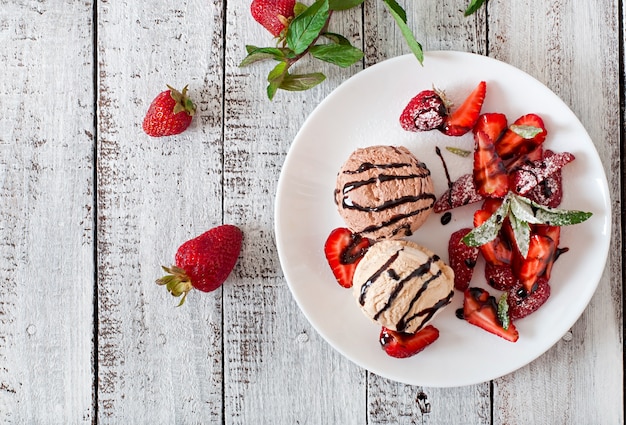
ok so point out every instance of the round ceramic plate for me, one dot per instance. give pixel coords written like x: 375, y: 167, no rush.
x: 364, y: 111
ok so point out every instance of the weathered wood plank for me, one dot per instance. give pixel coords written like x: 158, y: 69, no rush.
x: 573, y: 49
x: 156, y: 363
x: 278, y: 370
x: 438, y: 26
x: 46, y: 212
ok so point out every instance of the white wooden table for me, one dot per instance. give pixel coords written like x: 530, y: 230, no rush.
x: 90, y: 207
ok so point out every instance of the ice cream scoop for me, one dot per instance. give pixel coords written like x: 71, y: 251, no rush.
x: 384, y: 192
x: 402, y: 285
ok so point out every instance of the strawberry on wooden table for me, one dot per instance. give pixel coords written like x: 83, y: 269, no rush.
x: 343, y: 250
x: 204, y: 262
x: 402, y: 345
x: 462, y: 119
x: 169, y: 113
x: 274, y: 15
x: 481, y: 309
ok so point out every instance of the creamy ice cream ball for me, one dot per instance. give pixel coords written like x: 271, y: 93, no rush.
x: 384, y: 192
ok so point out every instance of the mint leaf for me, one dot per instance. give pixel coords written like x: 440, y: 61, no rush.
x: 457, y: 151
x: 526, y: 131
x: 298, y: 8
x: 521, y: 233
x: 262, y: 53
x: 306, y: 27
x: 523, y: 211
x: 337, y: 54
x: 275, y: 78
x: 301, y: 82
x: 488, y: 231
x: 337, y: 38
x: 555, y: 216
x: 503, y: 311
x: 399, y: 14
x: 473, y: 7
x: 343, y: 4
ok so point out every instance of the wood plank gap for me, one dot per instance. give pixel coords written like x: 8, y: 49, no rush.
x: 223, y: 197
x: 622, y: 150
x: 94, y: 43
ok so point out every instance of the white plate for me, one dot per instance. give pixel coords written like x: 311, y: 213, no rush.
x: 364, y: 111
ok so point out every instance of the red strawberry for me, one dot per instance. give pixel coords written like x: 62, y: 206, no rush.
x: 523, y: 159
x: 512, y: 144
x: 204, y: 262
x: 500, y: 277
x: 549, y: 192
x: 274, y: 15
x: 481, y: 309
x: 493, y: 124
x: 521, y: 304
x: 169, y: 113
x: 462, y: 259
x: 528, y: 176
x: 462, y: 192
x: 541, y: 252
x: 401, y: 344
x: 463, y: 119
x: 426, y: 111
x: 490, y: 174
x: 497, y: 251
x: 344, y: 250
x: 554, y: 233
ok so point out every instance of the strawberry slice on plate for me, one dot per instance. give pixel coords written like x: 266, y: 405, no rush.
x: 494, y: 124
x: 497, y: 251
x: 526, y: 177
x: 481, y: 309
x: 490, y: 176
x: 344, y: 250
x: 462, y: 259
x: 402, y: 345
x: 426, y: 111
x: 541, y: 252
x: 462, y: 119
x: 462, y: 192
x: 521, y: 304
x: 525, y: 135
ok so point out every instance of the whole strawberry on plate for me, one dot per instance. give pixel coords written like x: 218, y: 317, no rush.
x: 204, y: 262
x: 169, y: 113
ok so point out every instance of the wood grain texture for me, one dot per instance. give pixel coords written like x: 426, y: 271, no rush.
x: 578, y: 381
x: 46, y: 213
x: 156, y: 363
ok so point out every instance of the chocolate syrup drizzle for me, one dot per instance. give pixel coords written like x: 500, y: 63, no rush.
x: 415, y: 274
x: 392, y: 203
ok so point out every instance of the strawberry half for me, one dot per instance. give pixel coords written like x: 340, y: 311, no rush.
x: 494, y: 124
x: 426, y: 111
x: 541, y: 252
x: 204, y: 262
x: 462, y: 119
x: 498, y: 251
x: 521, y: 304
x: 274, y: 15
x: 481, y: 309
x: 344, y: 250
x: 526, y: 177
x: 500, y: 277
x: 490, y: 176
x: 462, y: 192
x: 462, y: 259
x: 511, y: 144
x: 402, y: 345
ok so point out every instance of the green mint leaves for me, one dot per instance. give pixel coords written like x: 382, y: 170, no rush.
x: 503, y: 311
x: 522, y: 212
x: 526, y: 131
x: 473, y: 7
x: 304, y: 36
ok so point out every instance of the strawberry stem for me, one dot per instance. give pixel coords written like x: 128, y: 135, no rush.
x: 176, y: 282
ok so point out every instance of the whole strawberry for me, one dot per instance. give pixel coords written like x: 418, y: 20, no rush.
x: 204, y: 262
x: 274, y: 15
x: 169, y: 113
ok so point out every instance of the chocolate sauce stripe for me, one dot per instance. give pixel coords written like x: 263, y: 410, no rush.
x: 391, y: 204
x: 402, y: 324
x: 382, y: 178
x: 394, y: 220
x: 375, y: 276
x: 430, y: 312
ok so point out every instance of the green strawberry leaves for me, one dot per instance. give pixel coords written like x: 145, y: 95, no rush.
x: 522, y: 212
x: 473, y: 7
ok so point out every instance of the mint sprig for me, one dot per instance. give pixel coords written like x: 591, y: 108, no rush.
x: 503, y: 311
x: 473, y: 7
x: 522, y: 212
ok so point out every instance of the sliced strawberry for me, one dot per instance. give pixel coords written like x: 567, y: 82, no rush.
x: 521, y: 304
x: 462, y: 192
x: 481, y: 309
x: 526, y: 158
x: 426, y: 111
x: 549, y: 192
x: 490, y: 176
x: 344, y: 250
x: 541, y: 251
x: 528, y: 176
x: 554, y: 233
x: 497, y: 251
x: 500, y: 277
x: 491, y: 204
x: 462, y: 259
x: 401, y: 344
x: 512, y: 144
x: 463, y: 119
x: 493, y: 124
